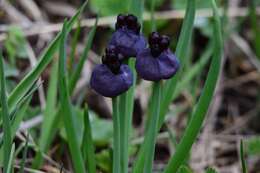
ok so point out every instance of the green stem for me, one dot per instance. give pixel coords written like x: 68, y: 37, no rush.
x: 116, y: 135
x: 150, y: 136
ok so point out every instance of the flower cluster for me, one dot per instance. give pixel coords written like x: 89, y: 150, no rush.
x: 153, y: 63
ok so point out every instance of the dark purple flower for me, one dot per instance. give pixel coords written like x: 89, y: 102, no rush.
x: 111, y: 78
x: 127, y: 37
x: 157, y: 62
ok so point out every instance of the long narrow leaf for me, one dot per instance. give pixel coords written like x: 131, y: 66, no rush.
x: 24, y: 154
x: 49, y: 115
x: 181, y: 53
x: 88, y: 147
x: 200, y: 111
x: 22, y: 88
x: 10, y: 163
x: 67, y: 107
x: 242, y: 159
x: 83, y: 58
x: 5, y: 115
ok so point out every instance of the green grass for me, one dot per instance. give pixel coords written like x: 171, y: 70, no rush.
x: 65, y: 103
x: 242, y: 157
x: 88, y: 148
x: 23, y: 87
x: 7, y: 138
x: 202, y: 106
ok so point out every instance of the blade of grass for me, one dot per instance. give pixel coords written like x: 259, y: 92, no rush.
x: 116, y: 135
x: 255, y: 27
x: 50, y: 128
x: 24, y: 154
x: 136, y: 7
x: 74, y: 42
x: 242, y: 157
x: 200, y: 110
x: 7, y: 139
x: 10, y: 163
x: 75, y: 76
x: 168, y: 89
x: 211, y: 170
x: 194, y: 70
x: 45, y: 59
x: 67, y: 107
x: 181, y: 53
x: 88, y: 148
x: 48, y: 115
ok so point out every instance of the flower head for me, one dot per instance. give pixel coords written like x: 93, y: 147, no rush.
x: 157, y: 62
x: 127, y: 37
x: 111, y: 78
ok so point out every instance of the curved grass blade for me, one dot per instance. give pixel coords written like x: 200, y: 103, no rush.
x: 88, y: 148
x: 22, y: 88
x: 201, y: 108
x: 242, y: 159
x: 75, y: 76
x: 67, y: 107
x: 181, y: 53
x: 7, y: 137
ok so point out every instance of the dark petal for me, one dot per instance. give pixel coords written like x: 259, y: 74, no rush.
x: 106, y: 83
x: 168, y: 64
x: 147, y: 66
x: 162, y: 67
x: 127, y: 42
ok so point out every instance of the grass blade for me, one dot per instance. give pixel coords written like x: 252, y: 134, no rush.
x: 74, y: 42
x: 181, y: 53
x: 11, y: 160
x: 194, y: 70
x: 136, y: 8
x: 22, y: 88
x: 49, y: 115
x: 242, y: 158
x: 5, y: 115
x: 76, y: 74
x: 116, y: 135
x: 168, y: 89
x: 24, y: 154
x: 88, y: 148
x: 211, y: 170
x: 200, y: 111
x: 67, y: 107
x: 255, y: 27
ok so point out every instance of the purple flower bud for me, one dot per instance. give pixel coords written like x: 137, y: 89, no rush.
x: 108, y: 84
x: 157, y: 62
x: 127, y: 37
